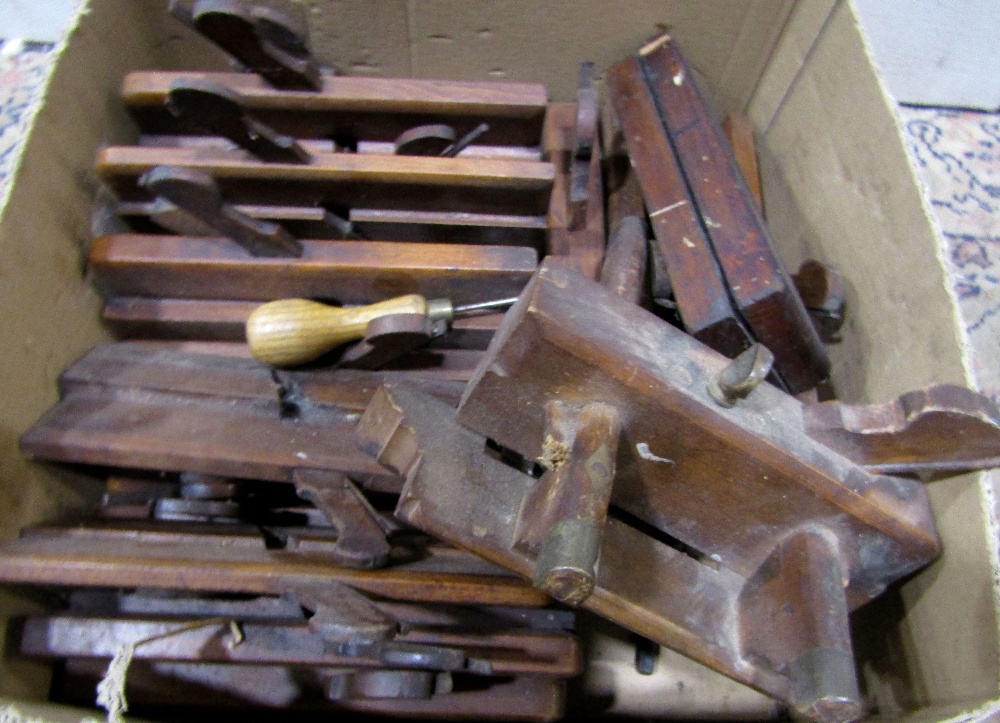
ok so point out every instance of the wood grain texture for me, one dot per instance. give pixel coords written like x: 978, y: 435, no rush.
x: 347, y: 180
x: 76, y: 636
x: 195, y: 193
x: 291, y: 332
x: 684, y: 263
x: 755, y: 275
x: 941, y: 430
x: 369, y: 109
x: 626, y: 259
x: 430, y: 363
x: 143, y: 366
x: 127, y: 405
x: 739, y: 131
x: 348, y: 272
x: 755, y: 541
x: 151, y: 318
x: 457, y: 493
x: 720, y: 480
x: 580, y: 241
x: 165, y: 560
x: 161, y: 430
x: 314, y: 222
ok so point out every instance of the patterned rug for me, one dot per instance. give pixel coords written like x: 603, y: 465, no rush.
x: 24, y: 69
x: 958, y: 153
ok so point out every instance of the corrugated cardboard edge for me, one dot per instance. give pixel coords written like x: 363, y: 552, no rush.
x: 986, y: 480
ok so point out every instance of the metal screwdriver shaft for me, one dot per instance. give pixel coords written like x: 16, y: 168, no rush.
x: 484, y: 307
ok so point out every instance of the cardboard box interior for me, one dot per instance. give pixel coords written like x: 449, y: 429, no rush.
x: 838, y: 184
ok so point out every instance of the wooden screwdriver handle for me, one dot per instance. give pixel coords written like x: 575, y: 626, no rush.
x: 296, y: 331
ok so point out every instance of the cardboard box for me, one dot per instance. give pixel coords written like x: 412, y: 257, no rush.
x: 838, y: 182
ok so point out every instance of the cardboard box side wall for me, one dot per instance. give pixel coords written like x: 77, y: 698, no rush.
x: 838, y: 186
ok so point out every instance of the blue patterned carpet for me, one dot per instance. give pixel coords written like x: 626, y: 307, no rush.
x: 24, y: 68
x: 958, y: 153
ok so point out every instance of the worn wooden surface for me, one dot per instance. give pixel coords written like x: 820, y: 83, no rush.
x: 381, y: 224
x: 269, y: 42
x: 429, y: 363
x: 358, y: 109
x: 624, y: 268
x: 585, y: 139
x: 506, y: 653
x: 457, y: 493
x: 801, y: 586
x: 684, y: 263
x: 195, y: 193
x: 942, y: 430
x: 580, y: 239
x: 220, y: 111
x: 361, y: 536
x: 442, y: 227
x: 692, y: 599
x: 119, y: 557
x: 739, y: 132
x: 756, y: 277
x: 720, y: 480
x: 563, y: 526
x: 141, y: 366
x: 348, y: 272
x: 122, y: 427
x: 128, y: 406
x: 300, y: 221
x: 347, y: 180
x: 165, y: 688
x: 292, y: 606
x: 207, y: 319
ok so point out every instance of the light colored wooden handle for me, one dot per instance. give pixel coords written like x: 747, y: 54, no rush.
x: 296, y: 331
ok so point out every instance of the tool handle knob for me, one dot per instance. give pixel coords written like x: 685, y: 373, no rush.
x: 296, y: 331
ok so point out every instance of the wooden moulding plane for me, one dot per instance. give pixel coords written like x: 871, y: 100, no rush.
x: 495, y: 210
x: 383, y: 631
x: 136, y: 406
x: 483, y: 645
x: 355, y: 111
x: 164, y: 687
x: 375, y: 637
x: 758, y: 522
x: 713, y: 250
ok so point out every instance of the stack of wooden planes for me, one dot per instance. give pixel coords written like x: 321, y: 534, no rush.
x: 341, y: 474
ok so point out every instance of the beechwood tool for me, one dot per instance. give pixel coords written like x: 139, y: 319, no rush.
x: 756, y: 536
x: 405, y: 524
x: 296, y: 331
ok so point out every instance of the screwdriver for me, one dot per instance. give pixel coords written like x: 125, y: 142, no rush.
x: 289, y: 332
